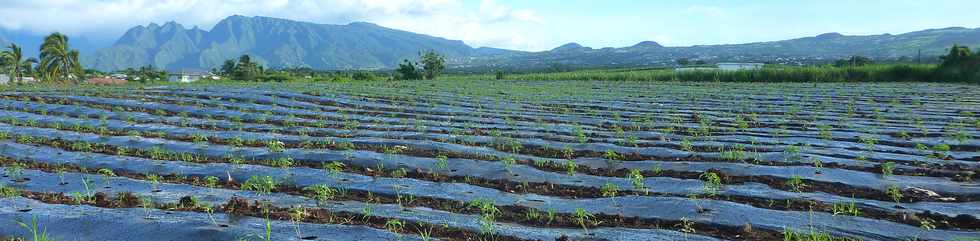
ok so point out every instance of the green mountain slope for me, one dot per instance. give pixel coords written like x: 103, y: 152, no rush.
x: 280, y: 43
x: 817, y: 49
x: 272, y: 42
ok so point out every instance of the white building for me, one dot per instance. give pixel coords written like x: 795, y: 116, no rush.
x: 188, y: 76
x: 739, y: 66
x: 6, y: 79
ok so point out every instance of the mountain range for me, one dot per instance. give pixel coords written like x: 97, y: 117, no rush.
x: 808, y: 50
x: 282, y: 43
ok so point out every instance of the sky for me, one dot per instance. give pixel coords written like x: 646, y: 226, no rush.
x: 531, y: 25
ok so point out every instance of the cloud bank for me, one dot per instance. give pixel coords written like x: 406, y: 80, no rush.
x: 484, y: 23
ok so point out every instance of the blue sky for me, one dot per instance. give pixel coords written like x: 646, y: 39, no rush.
x: 519, y: 24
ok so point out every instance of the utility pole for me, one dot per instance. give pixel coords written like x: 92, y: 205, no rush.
x: 918, y: 58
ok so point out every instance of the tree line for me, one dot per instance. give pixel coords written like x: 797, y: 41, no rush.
x: 60, y: 63
x: 959, y: 65
x: 430, y: 65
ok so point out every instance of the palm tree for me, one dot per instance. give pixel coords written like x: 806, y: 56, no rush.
x: 58, y: 60
x: 18, y: 65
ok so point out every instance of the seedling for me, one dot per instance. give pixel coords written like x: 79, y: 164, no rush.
x: 734, y: 153
x: 236, y: 141
x: 895, y: 193
x: 106, y: 175
x: 612, y: 158
x: 394, y: 225
x: 275, y: 146
x: 322, y: 193
x: 210, y: 211
x: 687, y: 145
x: 211, y: 181
x: 927, y: 224
x: 825, y: 132
x: 532, y: 214
x: 425, y: 234
x: 8, y: 192
x: 567, y: 152
x: 442, y: 162
x: 297, y: 214
x: 262, y: 185
x: 199, y: 139
x: 268, y: 229
x: 796, y: 183
x: 398, y: 173
x: 35, y: 229
x: 147, y: 204
x: 551, y: 215
x: 887, y: 168
x: 686, y: 226
x: 792, y: 152
x: 845, y: 209
x: 712, y: 183
x: 509, y: 162
x: 282, y: 162
x: 154, y: 181
x: 570, y: 167
x: 869, y: 142
x: 15, y: 171
x: 942, y: 150
x: 334, y: 167
x: 609, y: 190
x: 237, y: 160
x: 657, y: 169
x: 583, y: 218
x: 636, y: 178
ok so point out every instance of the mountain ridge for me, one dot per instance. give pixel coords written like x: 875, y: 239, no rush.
x: 272, y: 42
x: 281, y: 43
x: 821, y: 48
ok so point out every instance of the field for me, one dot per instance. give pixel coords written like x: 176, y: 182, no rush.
x: 492, y: 160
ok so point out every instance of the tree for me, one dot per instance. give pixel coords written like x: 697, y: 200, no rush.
x: 853, y: 61
x: 959, y: 65
x: 18, y: 65
x: 228, y: 68
x: 958, y: 55
x: 58, y: 60
x: 246, y: 69
x: 499, y: 75
x: 407, y: 71
x: 684, y: 62
x: 432, y: 64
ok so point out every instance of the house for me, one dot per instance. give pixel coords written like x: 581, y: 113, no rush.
x: 6, y: 79
x: 187, y: 76
x: 740, y: 66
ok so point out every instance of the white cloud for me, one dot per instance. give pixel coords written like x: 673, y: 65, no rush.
x: 487, y: 24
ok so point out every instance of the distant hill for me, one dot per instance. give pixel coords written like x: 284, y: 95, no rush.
x: 817, y: 49
x: 275, y: 43
x: 278, y: 43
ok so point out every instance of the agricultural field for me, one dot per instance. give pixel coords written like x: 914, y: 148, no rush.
x: 492, y: 160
